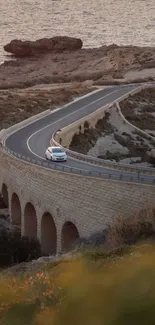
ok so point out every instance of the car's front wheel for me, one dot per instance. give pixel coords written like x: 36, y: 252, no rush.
x: 46, y: 156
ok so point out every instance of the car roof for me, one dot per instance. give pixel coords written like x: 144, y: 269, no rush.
x: 53, y: 147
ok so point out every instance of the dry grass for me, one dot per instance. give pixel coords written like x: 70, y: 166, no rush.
x: 144, y: 101
x: 116, y: 291
x: 129, y: 231
x: 125, y: 231
x: 16, y: 106
x: 112, y: 287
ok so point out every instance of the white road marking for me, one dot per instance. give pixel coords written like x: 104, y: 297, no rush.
x: 79, y: 98
x: 59, y: 120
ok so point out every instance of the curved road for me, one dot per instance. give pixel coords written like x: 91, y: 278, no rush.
x: 32, y: 140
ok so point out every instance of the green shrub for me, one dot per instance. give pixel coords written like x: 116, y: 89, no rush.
x: 103, y: 254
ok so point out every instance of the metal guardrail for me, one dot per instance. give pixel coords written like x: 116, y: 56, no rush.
x: 141, y: 132
x: 105, y: 163
x: 115, y: 171
x: 109, y: 174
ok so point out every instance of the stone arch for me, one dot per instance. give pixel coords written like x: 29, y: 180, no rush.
x: 68, y: 236
x: 48, y: 234
x: 15, y: 210
x: 30, y: 221
x: 5, y: 195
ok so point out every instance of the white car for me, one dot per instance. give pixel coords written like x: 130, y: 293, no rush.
x: 55, y: 154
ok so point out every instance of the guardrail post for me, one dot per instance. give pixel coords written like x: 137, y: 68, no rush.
x: 138, y: 173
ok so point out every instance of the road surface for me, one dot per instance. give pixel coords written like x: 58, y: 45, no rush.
x: 32, y: 140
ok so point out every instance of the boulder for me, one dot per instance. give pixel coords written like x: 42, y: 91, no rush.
x: 45, y: 45
x: 152, y: 153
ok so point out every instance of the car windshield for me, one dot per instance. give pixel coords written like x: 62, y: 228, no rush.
x: 57, y: 150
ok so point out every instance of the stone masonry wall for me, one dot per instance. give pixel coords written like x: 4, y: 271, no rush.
x: 89, y: 203
x: 67, y: 132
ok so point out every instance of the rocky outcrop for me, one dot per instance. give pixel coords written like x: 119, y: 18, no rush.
x: 63, y: 60
x: 45, y: 45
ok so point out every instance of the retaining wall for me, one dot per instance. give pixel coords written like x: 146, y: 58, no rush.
x: 64, y: 136
x: 67, y: 132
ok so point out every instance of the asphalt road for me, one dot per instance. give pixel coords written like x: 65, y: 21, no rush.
x: 32, y: 140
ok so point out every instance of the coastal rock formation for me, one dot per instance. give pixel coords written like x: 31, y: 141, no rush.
x: 45, y: 45
x: 63, y: 60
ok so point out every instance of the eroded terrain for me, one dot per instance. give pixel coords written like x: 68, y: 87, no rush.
x: 113, y: 140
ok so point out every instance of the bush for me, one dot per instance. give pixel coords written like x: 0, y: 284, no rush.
x: 16, y: 249
x: 95, y: 240
x: 111, y: 289
x: 125, y: 231
x: 130, y: 231
x: 119, y: 293
x: 103, y: 254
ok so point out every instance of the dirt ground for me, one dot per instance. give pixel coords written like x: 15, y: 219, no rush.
x: 140, y: 110
x: 104, y: 65
x: 113, y: 140
x: 17, y: 105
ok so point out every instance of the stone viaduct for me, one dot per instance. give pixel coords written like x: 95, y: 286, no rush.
x: 58, y: 207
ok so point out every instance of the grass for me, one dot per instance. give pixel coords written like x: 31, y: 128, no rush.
x: 95, y: 255
x: 110, y: 285
x: 113, y: 289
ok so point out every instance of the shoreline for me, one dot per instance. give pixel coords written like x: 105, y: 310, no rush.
x: 105, y: 65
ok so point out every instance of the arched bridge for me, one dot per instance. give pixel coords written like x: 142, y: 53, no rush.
x: 59, y: 203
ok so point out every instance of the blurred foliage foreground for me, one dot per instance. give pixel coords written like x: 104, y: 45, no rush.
x: 110, y: 289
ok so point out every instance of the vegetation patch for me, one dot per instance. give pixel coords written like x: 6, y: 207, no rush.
x: 81, y: 290
x: 83, y: 141
x: 139, y: 108
x: 99, y: 254
x: 97, y: 289
x: 115, y: 145
x: 17, y: 105
x: 15, y: 249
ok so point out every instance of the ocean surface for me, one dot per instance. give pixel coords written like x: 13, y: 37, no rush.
x: 96, y: 22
